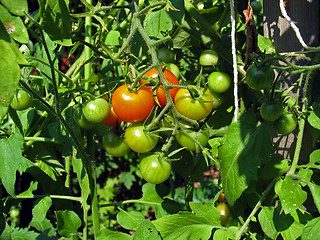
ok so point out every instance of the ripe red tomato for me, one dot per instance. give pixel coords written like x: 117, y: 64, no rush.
x: 171, y: 78
x: 132, y: 106
x: 155, y: 168
x: 96, y: 110
x: 195, y: 108
x: 21, y: 100
x: 138, y: 139
x: 112, y: 119
x: 115, y: 145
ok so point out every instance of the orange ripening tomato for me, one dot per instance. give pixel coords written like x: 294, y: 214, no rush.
x: 171, y: 79
x: 112, y: 119
x: 132, y: 106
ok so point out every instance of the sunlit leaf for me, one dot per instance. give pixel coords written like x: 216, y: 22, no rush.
x: 10, y: 159
x: 245, y: 147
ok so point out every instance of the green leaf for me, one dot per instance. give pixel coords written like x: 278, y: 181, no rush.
x: 273, y: 223
x: 113, y: 38
x: 16, y: 7
x: 314, y: 116
x: 127, y: 178
x: 28, y: 193
x: 220, y: 234
x: 129, y: 220
x: 265, y: 45
x: 67, y: 222
x: 107, y: 234
x: 194, y: 225
x: 40, y: 209
x: 179, y: 13
x: 56, y: 20
x: 315, y: 157
x: 14, y: 26
x: 311, y: 230
x: 265, y: 218
x: 10, y: 159
x: 158, y: 24
x: 9, y: 71
x: 315, y: 191
x: 291, y: 195
x: 274, y: 168
x: 146, y: 231
x: 82, y: 177
x: 23, y: 234
x: 244, y: 148
x: 181, y: 39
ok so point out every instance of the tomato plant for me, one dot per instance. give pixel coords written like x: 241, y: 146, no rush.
x: 259, y: 78
x: 271, y: 111
x: 139, y: 140
x: 219, y: 82
x: 224, y: 212
x: 171, y: 79
x: 286, y: 123
x: 114, y: 144
x: 208, y: 58
x: 21, y: 100
x: 155, y: 168
x: 96, y: 110
x: 194, y: 107
x: 132, y: 106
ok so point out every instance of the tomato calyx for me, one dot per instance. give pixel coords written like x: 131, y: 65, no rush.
x: 197, y: 93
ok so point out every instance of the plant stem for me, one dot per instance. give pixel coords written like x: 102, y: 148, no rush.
x: 255, y: 210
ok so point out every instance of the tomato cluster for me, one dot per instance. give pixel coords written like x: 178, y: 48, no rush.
x: 145, y: 113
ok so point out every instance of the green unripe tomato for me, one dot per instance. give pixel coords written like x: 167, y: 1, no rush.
x: 256, y: 7
x: 219, y: 82
x: 96, y: 110
x: 115, y: 145
x: 189, y: 137
x: 80, y: 119
x: 21, y: 100
x: 155, y: 168
x: 271, y: 111
x: 217, y: 99
x: 174, y: 69
x: 14, y: 213
x: 259, y: 78
x: 139, y: 140
x: 166, y: 55
x: 208, y: 58
x: 225, y: 213
x: 286, y: 124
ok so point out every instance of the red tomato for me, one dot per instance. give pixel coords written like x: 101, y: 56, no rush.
x: 171, y: 79
x: 132, y: 106
x: 112, y: 119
